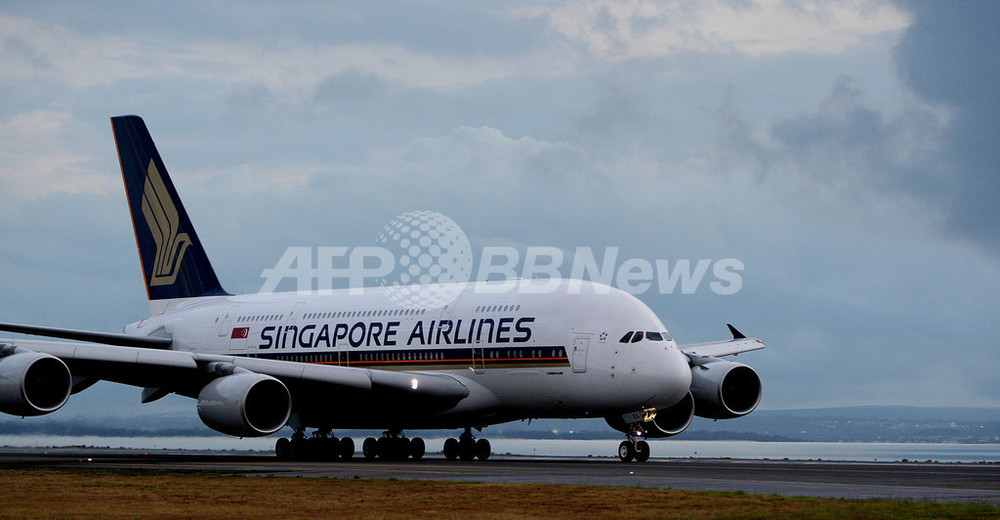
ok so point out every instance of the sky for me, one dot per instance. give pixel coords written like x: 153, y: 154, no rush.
x: 843, y: 152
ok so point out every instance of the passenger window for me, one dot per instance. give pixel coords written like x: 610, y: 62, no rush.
x: 654, y: 336
x: 626, y: 337
x: 637, y: 337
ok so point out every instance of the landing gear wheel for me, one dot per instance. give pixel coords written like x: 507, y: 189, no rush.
x: 297, y: 449
x: 369, y: 448
x: 401, y: 449
x: 328, y: 449
x: 346, y: 448
x: 626, y: 452
x: 466, y: 448
x: 451, y: 449
x: 641, y: 451
x: 483, y: 449
x: 282, y: 449
x: 417, y: 448
x: 382, y: 449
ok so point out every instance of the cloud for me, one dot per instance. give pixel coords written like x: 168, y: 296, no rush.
x: 35, y: 159
x: 948, y: 56
x: 34, y: 51
x: 848, y: 143
x: 642, y: 29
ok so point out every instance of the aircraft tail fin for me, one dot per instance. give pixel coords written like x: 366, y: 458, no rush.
x: 173, y: 261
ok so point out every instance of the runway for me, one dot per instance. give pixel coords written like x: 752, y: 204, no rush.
x: 909, y: 481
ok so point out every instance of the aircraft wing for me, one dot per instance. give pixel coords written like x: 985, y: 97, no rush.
x: 732, y: 347
x: 165, y: 371
x: 106, y: 338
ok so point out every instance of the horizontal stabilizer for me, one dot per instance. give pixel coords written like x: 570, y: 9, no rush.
x: 106, y: 338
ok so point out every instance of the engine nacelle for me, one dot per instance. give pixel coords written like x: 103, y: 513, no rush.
x: 245, y: 404
x: 667, y: 422
x: 724, y: 389
x: 32, y: 383
x: 673, y: 420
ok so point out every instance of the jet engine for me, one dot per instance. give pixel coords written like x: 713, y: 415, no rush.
x: 667, y: 421
x: 32, y: 383
x: 673, y: 420
x: 724, y: 389
x: 245, y: 404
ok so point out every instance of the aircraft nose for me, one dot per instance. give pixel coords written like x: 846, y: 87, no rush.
x: 676, y: 375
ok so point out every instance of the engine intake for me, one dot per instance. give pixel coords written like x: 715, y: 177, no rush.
x: 724, y: 389
x: 32, y: 383
x: 245, y: 404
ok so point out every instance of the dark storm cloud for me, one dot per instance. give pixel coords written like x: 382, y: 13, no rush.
x: 951, y: 56
x: 845, y: 141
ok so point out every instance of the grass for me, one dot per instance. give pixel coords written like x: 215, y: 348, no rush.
x: 97, y: 493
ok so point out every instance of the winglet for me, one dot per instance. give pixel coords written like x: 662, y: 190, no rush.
x: 173, y: 261
x: 736, y: 334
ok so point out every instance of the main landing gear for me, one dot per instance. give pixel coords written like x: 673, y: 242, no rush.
x: 393, y: 445
x: 322, y: 446
x: 634, y: 448
x: 466, y: 447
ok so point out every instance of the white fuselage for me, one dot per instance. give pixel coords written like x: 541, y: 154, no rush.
x: 524, y: 348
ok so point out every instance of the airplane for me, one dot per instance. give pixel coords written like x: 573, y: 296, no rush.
x: 496, y: 351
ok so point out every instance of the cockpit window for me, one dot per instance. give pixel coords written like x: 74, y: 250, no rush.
x: 634, y: 336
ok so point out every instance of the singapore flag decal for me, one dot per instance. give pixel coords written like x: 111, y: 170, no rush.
x: 240, y: 333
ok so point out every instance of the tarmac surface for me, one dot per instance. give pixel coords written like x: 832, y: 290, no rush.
x: 938, y: 482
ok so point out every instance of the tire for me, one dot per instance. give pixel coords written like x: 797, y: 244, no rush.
x: 451, y: 449
x: 369, y: 448
x: 626, y: 452
x: 282, y: 449
x: 466, y: 449
x: 483, y: 449
x: 402, y: 451
x: 329, y: 449
x: 383, y: 449
x: 346, y: 448
x: 641, y: 451
x: 417, y: 448
x: 297, y: 449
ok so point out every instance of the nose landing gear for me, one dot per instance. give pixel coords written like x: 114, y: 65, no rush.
x: 634, y: 448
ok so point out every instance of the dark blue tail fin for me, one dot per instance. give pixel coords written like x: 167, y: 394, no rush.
x: 173, y: 261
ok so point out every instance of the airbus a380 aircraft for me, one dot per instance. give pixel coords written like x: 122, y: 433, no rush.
x: 255, y: 363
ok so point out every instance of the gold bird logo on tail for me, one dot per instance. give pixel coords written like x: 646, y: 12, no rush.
x: 163, y: 221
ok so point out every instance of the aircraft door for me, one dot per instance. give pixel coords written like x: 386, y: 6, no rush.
x: 226, y: 320
x: 478, y: 363
x: 580, y: 354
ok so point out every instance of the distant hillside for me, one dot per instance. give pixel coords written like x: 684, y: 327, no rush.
x: 851, y: 424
